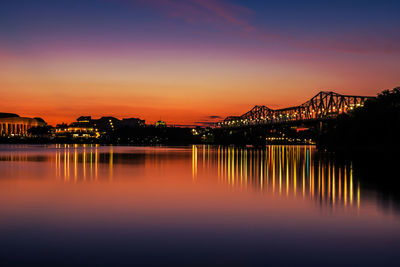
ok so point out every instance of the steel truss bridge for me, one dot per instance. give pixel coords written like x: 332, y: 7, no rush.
x: 324, y: 105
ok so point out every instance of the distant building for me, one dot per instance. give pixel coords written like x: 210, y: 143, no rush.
x: 132, y: 122
x: 86, y: 127
x: 160, y: 124
x: 13, y: 125
x: 106, y: 124
x: 64, y: 130
x: 84, y: 119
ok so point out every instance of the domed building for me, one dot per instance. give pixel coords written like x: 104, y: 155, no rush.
x: 13, y: 125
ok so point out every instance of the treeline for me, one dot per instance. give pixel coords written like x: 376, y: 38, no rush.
x: 374, y: 127
x: 261, y: 135
x: 148, y: 135
x: 151, y: 135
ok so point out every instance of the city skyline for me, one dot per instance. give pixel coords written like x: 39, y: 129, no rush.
x: 189, y: 62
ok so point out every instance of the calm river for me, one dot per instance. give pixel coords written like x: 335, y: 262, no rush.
x: 183, y: 206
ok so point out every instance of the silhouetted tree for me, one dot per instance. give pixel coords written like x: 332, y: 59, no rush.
x: 40, y: 131
x: 376, y: 126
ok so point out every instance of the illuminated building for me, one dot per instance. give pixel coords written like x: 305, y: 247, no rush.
x: 105, y: 124
x: 86, y: 127
x: 14, y: 125
x: 160, y: 124
x: 76, y: 131
x: 84, y: 119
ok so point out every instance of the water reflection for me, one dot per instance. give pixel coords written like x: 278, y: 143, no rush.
x: 199, y: 202
x: 72, y: 162
x: 288, y: 171
x: 284, y: 171
x: 79, y: 163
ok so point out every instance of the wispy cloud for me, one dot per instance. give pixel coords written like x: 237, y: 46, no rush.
x: 204, y: 123
x: 353, y: 43
x: 220, y: 13
x: 208, y: 120
x: 214, y: 12
x: 230, y: 13
x: 213, y: 117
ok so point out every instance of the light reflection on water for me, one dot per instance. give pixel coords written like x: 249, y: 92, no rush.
x: 291, y: 171
x: 208, y: 199
x: 282, y: 170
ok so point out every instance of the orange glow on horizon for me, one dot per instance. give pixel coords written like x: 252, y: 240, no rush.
x: 178, y: 92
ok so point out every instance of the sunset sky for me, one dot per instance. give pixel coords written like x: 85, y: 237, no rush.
x: 190, y: 61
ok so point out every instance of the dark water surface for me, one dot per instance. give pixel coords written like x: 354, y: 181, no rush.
x: 198, y: 205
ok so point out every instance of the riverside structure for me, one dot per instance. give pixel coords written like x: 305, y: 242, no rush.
x: 13, y: 125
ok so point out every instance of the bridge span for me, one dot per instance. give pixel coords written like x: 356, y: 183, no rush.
x: 324, y: 105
